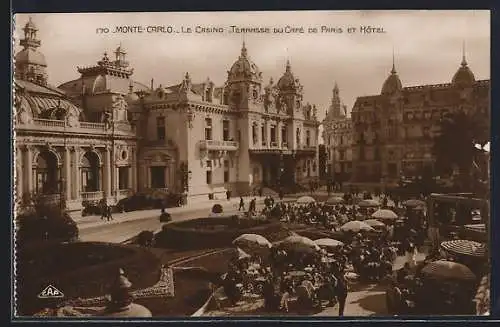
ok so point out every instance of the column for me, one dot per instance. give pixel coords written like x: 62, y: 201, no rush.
x: 278, y: 134
x: 76, y: 173
x: 130, y: 177
x: 107, y: 173
x: 148, y: 176
x: 28, y: 171
x: 134, y: 171
x: 67, y: 173
x: 19, y: 174
x: 116, y: 180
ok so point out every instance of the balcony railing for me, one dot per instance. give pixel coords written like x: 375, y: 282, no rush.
x: 274, y: 144
x: 219, y: 145
x: 49, y: 122
x: 88, y: 125
x: 92, y: 196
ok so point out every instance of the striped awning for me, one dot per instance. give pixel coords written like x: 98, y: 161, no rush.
x: 465, y: 247
x: 476, y: 227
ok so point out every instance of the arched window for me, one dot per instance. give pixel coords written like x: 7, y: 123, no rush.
x: 46, y: 173
x: 90, y: 172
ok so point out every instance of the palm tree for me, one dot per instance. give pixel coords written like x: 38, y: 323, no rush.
x: 454, y: 146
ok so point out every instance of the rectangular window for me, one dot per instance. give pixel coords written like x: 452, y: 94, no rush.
x: 123, y: 178
x: 225, y: 130
x: 273, y: 135
x: 254, y: 134
x: 308, y: 138
x: 283, y: 137
x: 160, y: 128
x: 226, y: 171
x: 157, y: 176
x: 263, y: 133
x: 208, y: 129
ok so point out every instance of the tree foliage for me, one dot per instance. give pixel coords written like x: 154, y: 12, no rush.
x: 454, y: 145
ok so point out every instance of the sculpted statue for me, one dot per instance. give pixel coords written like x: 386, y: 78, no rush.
x: 23, y: 111
x: 119, y: 108
x: 72, y: 118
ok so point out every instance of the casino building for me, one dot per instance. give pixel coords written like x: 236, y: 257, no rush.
x: 104, y: 135
x: 393, y: 130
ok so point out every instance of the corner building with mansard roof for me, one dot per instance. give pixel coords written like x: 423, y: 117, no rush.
x: 393, y: 131
x: 104, y: 135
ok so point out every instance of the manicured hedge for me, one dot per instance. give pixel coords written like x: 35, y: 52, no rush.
x: 47, y: 225
x: 216, y: 232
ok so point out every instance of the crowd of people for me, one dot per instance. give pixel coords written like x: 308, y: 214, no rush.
x: 317, y: 276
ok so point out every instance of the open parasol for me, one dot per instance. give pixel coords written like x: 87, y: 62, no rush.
x: 251, y: 240
x: 442, y: 269
x: 334, y: 200
x: 385, y: 214
x: 413, y: 203
x: 328, y: 243
x: 298, y: 243
x: 374, y: 223
x: 356, y: 226
x: 368, y: 203
x: 464, y: 247
x: 305, y: 200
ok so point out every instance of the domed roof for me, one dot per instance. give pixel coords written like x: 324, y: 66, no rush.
x: 464, y: 75
x: 131, y: 97
x: 287, y: 81
x: 30, y: 56
x: 392, y: 83
x: 244, y: 68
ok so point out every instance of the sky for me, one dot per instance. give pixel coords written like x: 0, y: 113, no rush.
x: 427, y: 47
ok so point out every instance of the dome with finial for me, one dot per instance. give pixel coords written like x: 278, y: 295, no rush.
x: 288, y: 81
x: 131, y: 95
x: 464, y: 75
x: 392, y: 84
x: 244, y: 68
x: 30, y: 55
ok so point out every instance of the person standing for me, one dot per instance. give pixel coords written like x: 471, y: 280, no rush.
x: 242, y: 204
x: 109, y: 217
x: 102, y: 207
x: 411, y: 252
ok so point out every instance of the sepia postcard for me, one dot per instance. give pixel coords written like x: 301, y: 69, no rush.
x: 230, y: 164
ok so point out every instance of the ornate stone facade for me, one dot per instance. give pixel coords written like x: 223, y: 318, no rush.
x: 104, y: 135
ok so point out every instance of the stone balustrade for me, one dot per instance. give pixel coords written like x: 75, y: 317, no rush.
x: 92, y: 196
x: 219, y: 145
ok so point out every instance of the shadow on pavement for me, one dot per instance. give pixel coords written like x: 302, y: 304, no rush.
x: 374, y: 303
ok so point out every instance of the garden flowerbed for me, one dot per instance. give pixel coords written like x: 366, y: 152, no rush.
x: 82, y: 269
x: 215, y: 232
